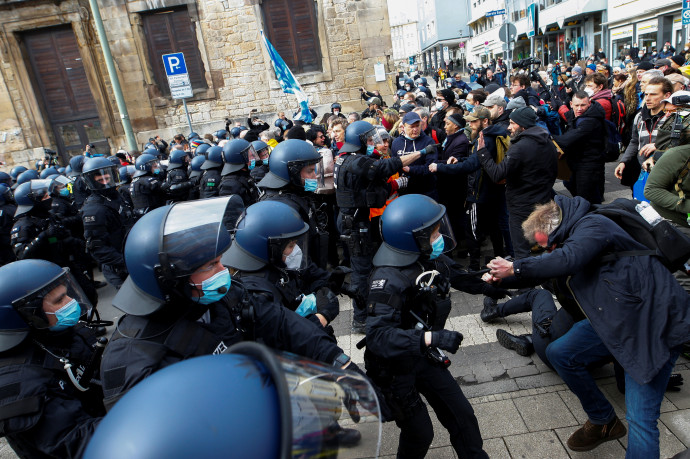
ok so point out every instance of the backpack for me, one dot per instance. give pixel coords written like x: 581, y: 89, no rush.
x: 502, y: 146
x: 613, y: 144
x: 663, y: 240
x: 618, y: 113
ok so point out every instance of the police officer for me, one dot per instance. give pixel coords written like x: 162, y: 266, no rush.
x: 107, y: 218
x: 50, y: 404
x: 25, y: 177
x: 360, y: 184
x: 407, y: 308
x: 259, y: 169
x: 7, y: 209
x: 181, y: 302
x: 195, y: 174
x: 148, y: 190
x: 176, y: 177
x: 15, y: 171
x: 238, y: 154
x: 210, y: 180
x: 292, y: 178
x: 63, y: 208
x: 79, y: 189
x: 125, y: 185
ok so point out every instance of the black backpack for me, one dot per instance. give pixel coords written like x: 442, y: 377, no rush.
x: 613, y: 142
x: 664, y: 240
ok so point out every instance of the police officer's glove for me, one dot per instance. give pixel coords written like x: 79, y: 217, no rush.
x: 327, y: 304
x: 56, y: 231
x: 674, y: 382
x: 446, y: 340
x: 337, y: 277
x: 430, y: 149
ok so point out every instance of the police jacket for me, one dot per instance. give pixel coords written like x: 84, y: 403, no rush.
x: 126, y: 194
x: 180, y: 330
x: 179, y: 185
x: 107, y: 219
x: 209, y: 183
x: 241, y: 184
x: 529, y: 168
x: 7, y: 211
x: 422, y: 181
x: 148, y: 193
x: 43, y: 414
x: 360, y: 182
x: 36, y: 235
x: 584, y: 141
x: 80, y: 192
x: 67, y: 213
x: 616, y: 295
x: 259, y: 171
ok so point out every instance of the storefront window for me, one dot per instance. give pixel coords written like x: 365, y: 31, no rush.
x: 620, y: 47
x: 647, y: 42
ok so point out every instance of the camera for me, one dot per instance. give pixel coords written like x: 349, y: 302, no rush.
x: 680, y: 100
x: 526, y: 62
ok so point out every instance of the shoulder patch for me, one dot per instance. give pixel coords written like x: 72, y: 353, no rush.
x: 89, y: 218
x: 378, y: 284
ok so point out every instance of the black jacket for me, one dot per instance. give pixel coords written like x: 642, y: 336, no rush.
x: 107, y: 220
x: 584, y: 141
x: 529, y: 168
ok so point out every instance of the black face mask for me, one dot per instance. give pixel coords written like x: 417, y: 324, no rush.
x: 45, y: 205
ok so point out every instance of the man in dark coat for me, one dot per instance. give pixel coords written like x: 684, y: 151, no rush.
x: 583, y: 145
x: 529, y: 168
x: 445, y: 99
x: 636, y: 311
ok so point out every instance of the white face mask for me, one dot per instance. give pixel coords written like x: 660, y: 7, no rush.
x: 589, y: 91
x: 439, y: 105
x: 336, y: 112
x: 294, y: 260
x: 407, y: 88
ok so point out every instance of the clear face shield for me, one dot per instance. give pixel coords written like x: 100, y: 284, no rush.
x: 42, y: 307
x: 250, y: 155
x: 371, y: 137
x: 196, y: 232
x: 103, y: 178
x: 316, y: 402
x: 39, y: 189
x: 290, y: 251
x: 428, y: 237
x: 320, y: 172
x: 263, y: 155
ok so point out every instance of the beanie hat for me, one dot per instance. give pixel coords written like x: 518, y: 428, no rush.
x: 577, y: 69
x: 645, y: 65
x: 592, y: 67
x: 517, y: 102
x: 449, y: 95
x: 524, y: 116
x: 457, y: 120
x: 679, y: 59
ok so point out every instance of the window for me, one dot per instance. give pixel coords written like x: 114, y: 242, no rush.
x: 172, y: 31
x: 291, y: 27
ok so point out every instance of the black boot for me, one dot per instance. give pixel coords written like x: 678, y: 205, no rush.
x: 490, y: 311
x: 521, y: 344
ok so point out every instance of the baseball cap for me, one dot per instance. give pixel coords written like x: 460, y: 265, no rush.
x: 676, y: 94
x: 662, y: 62
x: 374, y: 101
x: 479, y: 113
x: 411, y: 118
x: 494, y: 99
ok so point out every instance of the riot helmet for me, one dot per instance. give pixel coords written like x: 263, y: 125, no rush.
x: 359, y: 136
x: 262, y: 150
x: 167, y: 245
x: 26, y: 176
x: 286, y: 164
x: 294, y: 402
x: 214, y: 158
x: 202, y: 149
x: 100, y: 174
x: 77, y: 165
x: 47, y: 172
x: 237, y: 154
x: 125, y: 176
x: 237, y: 130
x: 153, y: 151
x: 59, y: 186
x: 177, y: 160
x: 413, y: 226
x: 193, y: 135
x: 40, y: 295
x: 195, y: 166
x: 147, y: 164
x: 34, y: 193
x: 269, y: 232
x: 5, y: 194
x: 336, y: 106
x: 62, y: 171
x: 16, y: 170
x: 221, y: 134
x: 115, y: 160
x: 5, y: 178
x: 281, y: 123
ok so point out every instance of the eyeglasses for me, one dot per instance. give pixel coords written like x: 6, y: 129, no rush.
x: 440, y: 100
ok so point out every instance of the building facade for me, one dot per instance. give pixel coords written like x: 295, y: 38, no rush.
x: 443, y: 33
x: 405, y: 41
x: 55, y: 91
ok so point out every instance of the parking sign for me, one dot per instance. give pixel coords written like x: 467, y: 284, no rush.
x: 178, y: 78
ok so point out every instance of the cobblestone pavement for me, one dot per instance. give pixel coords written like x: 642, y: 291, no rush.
x: 523, y: 407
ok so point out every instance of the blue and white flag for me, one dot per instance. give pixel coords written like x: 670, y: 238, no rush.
x: 288, y: 81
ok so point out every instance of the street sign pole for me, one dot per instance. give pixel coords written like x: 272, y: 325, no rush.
x: 178, y: 80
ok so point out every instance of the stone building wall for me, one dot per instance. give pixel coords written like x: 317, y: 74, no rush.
x: 354, y: 36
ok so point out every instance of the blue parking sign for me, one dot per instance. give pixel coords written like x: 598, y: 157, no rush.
x: 174, y: 64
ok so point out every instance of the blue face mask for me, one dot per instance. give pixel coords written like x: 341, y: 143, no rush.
x: 307, y: 306
x: 215, y: 287
x: 252, y: 164
x: 64, y: 192
x: 310, y: 184
x: 67, y: 316
x: 156, y: 171
x: 469, y: 106
x: 370, y: 150
x: 436, y: 247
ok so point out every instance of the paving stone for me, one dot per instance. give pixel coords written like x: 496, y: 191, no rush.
x: 681, y: 400
x: 516, y: 361
x: 543, y: 412
x: 496, y: 448
x: 536, y: 445
x: 669, y: 444
x: 489, y: 388
x: 610, y: 449
x: 540, y: 380
x: 678, y: 422
x: 574, y: 405
x: 497, y: 419
x: 523, y: 371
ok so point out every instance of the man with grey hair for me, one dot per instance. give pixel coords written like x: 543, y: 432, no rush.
x: 497, y: 107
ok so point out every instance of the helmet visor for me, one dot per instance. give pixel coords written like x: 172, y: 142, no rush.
x: 250, y: 154
x: 371, y: 137
x: 102, y: 178
x: 50, y: 298
x: 290, y: 251
x: 321, y: 173
x: 427, y: 235
x: 39, y: 189
x: 196, y: 232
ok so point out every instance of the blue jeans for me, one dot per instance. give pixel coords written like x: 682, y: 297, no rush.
x: 581, y: 346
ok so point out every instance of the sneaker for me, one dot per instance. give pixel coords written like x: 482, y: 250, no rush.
x: 359, y: 327
x: 591, y: 435
x: 521, y: 344
x: 490, y: 311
